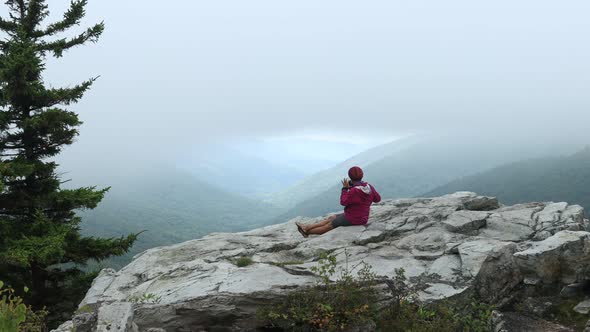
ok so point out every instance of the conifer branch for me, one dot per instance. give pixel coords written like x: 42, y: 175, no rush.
x: 8, y: 26
x: 36, y: 13
x: 62, y: 96
x: 98, y: 248
x: 21, y: 8
x: 71, y: 18
x: 59, y: 46
x: 36, y: 213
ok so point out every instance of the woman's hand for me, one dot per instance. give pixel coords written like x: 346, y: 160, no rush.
x: 345, y: 183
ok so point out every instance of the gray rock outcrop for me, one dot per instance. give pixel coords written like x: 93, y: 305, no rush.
x: 453, y: 243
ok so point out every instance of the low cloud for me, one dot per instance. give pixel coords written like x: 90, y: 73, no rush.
x: 187, y: 72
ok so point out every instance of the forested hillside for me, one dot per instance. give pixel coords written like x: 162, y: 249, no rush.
x: 319, y: 182
x: 171, y: 206
x: 422, y: 167
x: 543, y: 179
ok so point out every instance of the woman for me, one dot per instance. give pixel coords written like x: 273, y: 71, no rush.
x: 356, y: 197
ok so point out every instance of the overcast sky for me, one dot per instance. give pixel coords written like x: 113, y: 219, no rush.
x: 177, y: 72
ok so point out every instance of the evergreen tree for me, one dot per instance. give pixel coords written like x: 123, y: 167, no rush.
x: 40, y: 242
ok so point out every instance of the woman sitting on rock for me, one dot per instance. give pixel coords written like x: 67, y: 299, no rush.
x: 356, y: 197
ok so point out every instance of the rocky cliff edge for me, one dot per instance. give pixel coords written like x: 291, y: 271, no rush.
x: 454, y: 243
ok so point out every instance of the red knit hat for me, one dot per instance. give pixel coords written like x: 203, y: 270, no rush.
x: 355, y: 173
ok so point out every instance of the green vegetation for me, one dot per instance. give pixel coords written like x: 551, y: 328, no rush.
x: 550, y: 179
x: 15, y: 316
x: 328, y: 306
x: 445, y: 316
x: 35, y: 321
x: 564, y: 313
x: 558, y: 309
x: 172, y: 206
x: 84, y: 309
x: 13, y: 311
x: 244, y: 261
x: 41, y: 246
x: 353, y: 302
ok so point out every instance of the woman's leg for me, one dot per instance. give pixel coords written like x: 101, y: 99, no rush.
x: 321, y: 229
x: 330, y: 224
x: 323, y: 223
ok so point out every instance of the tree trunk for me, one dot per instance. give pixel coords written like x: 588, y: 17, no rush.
x: 39, y: 278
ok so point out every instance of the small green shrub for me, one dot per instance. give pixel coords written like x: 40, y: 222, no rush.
x: 35, y: 321
x: 443, y: 316
x: 15, y: 316
x: 351, y: 302
x: 84, y: 309
x: 244, y: 261
x: 13, y: 311
x: 563, y: 312
x: 328, y: 306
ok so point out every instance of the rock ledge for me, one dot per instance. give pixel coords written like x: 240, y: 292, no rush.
x: 456, y: 243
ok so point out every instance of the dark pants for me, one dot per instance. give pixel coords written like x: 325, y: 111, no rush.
x: 341, y: 220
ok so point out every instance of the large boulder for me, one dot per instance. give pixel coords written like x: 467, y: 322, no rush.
x: 563, y: 258
x: 454, y: 244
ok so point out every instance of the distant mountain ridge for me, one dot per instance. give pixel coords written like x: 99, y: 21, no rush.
x: 427, y: 164
x: 319, y: 182
x: 174, y: 205
x: 565, y: 178
x: 171, y: 206
x: 237, y: 172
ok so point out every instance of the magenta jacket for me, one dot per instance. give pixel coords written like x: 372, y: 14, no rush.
x: 357, y: 202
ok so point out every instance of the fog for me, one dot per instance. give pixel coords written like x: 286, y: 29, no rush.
x: 177, y: 75
x: 224, y: 115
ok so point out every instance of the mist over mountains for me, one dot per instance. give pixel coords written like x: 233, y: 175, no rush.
x: 557, y: 179
x: 218, y: 188
x: 427, y: 162
x: 317, y: 183
x: 170, y: 206
x: 126, y: 126
x: 237, y: 172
